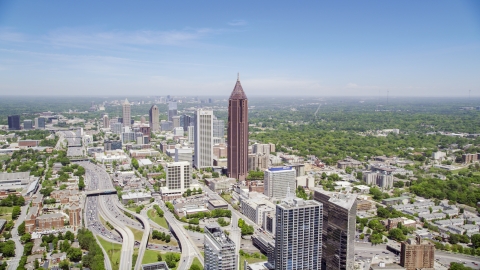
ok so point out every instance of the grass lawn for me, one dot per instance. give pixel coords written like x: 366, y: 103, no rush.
x: 134, y: 257
x: 227, y: 197
x: 163, y: 243
x: 6, y: 212
x: 196, y: 261
x: 250, y: 259
x: 137, y: 234
x: 113, y: 251
x: 4, y: 157
x: 152, y: 214
x: 150, y: 256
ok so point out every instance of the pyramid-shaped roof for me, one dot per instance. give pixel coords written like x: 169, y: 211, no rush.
x: 126, y: 101
x: 237, y: 92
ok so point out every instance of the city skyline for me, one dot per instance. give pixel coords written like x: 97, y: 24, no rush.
x: 316, y: 49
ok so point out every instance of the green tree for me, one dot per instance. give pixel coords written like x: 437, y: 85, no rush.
x: 476, y: 240
x: 396, y: 234
x: 21, y: 229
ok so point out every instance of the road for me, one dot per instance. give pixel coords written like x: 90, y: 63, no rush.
x: 189, y: 250
x: 13, y: 263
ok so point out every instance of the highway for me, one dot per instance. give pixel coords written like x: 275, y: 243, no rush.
x: 189, y: 249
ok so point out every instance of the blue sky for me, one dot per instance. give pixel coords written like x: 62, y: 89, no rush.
x: 321, y: 48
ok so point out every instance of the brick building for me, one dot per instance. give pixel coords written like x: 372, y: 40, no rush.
x: 417, y: 254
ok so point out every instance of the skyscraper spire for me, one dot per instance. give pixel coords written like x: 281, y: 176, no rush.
x: 237, y: 133
x: 238, y: 76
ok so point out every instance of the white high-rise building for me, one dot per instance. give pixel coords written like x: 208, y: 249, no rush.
x: 179, y: 176
x: 298, y: 234
x: 178, y: 131
x: 277, y: 180
x: 220, y: 253
x: 203, y: 138
x: 127, y: 117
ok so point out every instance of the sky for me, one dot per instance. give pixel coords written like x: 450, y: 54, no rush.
x: 284, y: 48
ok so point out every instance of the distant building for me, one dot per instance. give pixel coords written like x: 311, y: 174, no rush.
x: 179, y: 179
x: 116, y: 128
x: 203, y: 139
x: 261, y: 148
x: 378, y: 179
x: 218, y: 128
x: 127, y: 116
x: 40, y: 123
x: 154, y: 118
x: 112, y: 145
x: 27, y: 124
x: 178, y: 132
x: 172, y: 110
x: 298, y: 236
x: 349, y: 162
x: 417, y: 254
x: 183, y: 154
x: 277, y: 180
x: 220, y: 253
x: 166, y: 125
x: 186, y: 121
x: 191, y: 134
x: 176, y: 121
x: 470, y: 158
x: 14, y: 122
x: 339, y: 221
x: 106, y: 121
x: 237, y: 133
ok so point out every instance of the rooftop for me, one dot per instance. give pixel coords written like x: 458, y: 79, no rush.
x: 238, y: 92
x: 344, y: 200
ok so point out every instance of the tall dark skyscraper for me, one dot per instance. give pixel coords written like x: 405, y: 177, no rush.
x: 14, y: 122
x: 237, y: 133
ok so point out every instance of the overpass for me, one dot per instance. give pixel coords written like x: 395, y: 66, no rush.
x: 100, y: 192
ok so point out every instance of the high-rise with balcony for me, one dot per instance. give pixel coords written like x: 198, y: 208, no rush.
x: 298, y: 234
x: 203, y: 145
x: 338, y: 232
x: 127, y: 116
x: 237, y: 133
x: 220, y: 253
x: 154, y: 119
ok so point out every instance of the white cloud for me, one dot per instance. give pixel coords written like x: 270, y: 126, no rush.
x: 8, y: 35
x: 76, y: 38
x: 352, y: 85
x: 237, y: 23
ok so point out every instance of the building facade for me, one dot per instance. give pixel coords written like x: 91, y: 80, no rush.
x: 40, y: 123
x: 179, y: 176
x: 338, y: 233
x: 106, y: 121
x: 203, y: 138
x: 220, y: 253
x: 417, y: 254
x: 127, y: 116
x: 172, y: 110
x: 277, y: 180
x: 27, y: 124
x: 153, y: 118
x: 14, y: 122
x: 237, y: 133
x: 298, y: 234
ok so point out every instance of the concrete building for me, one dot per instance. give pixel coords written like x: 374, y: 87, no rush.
x: 339, y: 218
x: 191, y: 134
x: 14, y: 122
x: 178, y: 131
x: 261, y: 148
x: 220, y: 253
x: 237, y: 133
x: 220, y: 184
x: 203, y: 139
x: 218, y: 128
x: 166, y: 125
x: 155, y: 266
x: 127, y: 116
x: 172, y: 110
x: 154, y: 118
x: 417, y: 254
x: 183, y: 154
x: 349, y: 162
x: 258, y: 161
x: 298, y: 236
x: 112, y: 145
x: 277, y: 180
x: 116, y: 128
x: 176, y: 121
x: 469, y: 158
x: 40, y: 123
x: 27, y: 124
x: 378, y: 179
x: 179, y: 179
x: 106, y: 121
